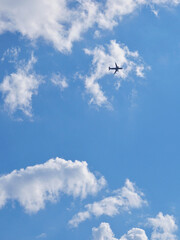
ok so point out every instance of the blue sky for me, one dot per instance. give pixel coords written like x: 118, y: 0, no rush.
x: 86, y: 154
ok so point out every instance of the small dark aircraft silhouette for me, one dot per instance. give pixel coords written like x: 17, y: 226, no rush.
x: 115, y: 68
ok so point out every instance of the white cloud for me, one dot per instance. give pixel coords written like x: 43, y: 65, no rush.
x: 42, y: 235
x: 164, y: 227
x: 124, y: 199
x: 12, y: 54
x: 135, y: 234
x: 53, y: 20
x: 61, y: 22
x: 102, y: 59
x: 154, y: 11
x: 33, y: 186
x: 166, y: 2
x: 18, y: 88
x: 59, y: 81
x: 115, y: 10
x: 104, y: 232
x: 140, y: 71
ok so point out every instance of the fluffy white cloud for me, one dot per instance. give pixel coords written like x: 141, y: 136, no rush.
x: 61, y: 22
x: 135, y: 234
x: 55, y: 21
x: 124, y: 199
x: 164, y: 227
x: 115, y: 10
x: 104, y: 232
x: 35, y: 185
x: 59, y: 81
x: 18, y: 88
x: 102, y: 59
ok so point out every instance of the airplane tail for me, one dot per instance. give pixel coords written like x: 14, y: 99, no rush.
x: 109, y: 68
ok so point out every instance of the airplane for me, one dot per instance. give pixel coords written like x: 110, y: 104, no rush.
x: 115, y: 68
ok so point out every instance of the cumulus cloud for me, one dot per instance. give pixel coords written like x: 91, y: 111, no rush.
x: 105, y: 57
x: 33, y: 186
x: 61, y: 22
x: 124, y: 199
x: 55, y: 21
x: 59, y: 81
x: 19, y: 87
x: 164, y: 227
x: 135, y: 234
x: 104, y: 232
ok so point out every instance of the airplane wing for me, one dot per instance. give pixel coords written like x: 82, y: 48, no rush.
x: 116, y: 65
x: 115, y: 71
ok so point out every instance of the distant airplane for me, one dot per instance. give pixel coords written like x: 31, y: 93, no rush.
x: 115, y: 68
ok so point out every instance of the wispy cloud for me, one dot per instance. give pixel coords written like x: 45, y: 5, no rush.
x: 164, y: 227
x: 33, y: 186
x: 60, y: 24
x: 54, y: 21
x: 11, y: 54
x: 105, y: 57
x: 42, y: 235
x: 133, y: 97
x: 124, y: 199
x: 19, y: 87
x: 59, y: 81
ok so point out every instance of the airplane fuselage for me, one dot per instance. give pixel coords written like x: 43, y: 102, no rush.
x: 115, y: 68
